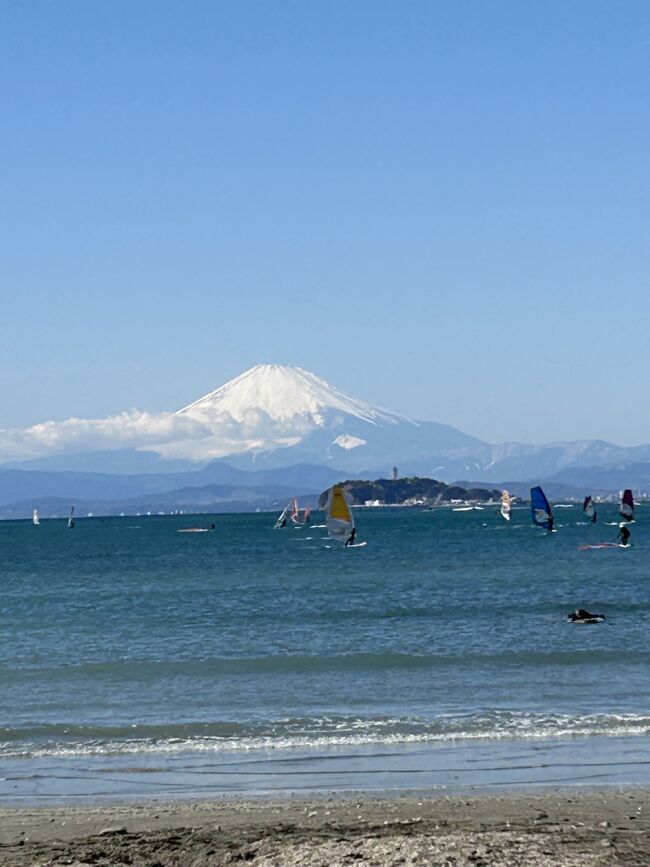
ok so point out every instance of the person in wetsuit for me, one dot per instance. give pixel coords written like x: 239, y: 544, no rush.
x: 350, y: 540
x: 624, y: 534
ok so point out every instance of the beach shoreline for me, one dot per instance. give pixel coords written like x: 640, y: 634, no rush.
x: 562, y: 827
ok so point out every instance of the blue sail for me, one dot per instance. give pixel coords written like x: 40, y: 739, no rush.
x: 540, y: 508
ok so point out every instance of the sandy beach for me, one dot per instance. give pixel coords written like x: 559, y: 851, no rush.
x: 563, y: 828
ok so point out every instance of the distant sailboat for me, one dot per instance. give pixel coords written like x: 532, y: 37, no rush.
x: 340, y: 523
x: 589, y: 508
x: 35, y: 519
x: 282, y: 519
x: 540, y: 509
x: 627, y: 505
x: 71, y: 519
x: 506, y: 505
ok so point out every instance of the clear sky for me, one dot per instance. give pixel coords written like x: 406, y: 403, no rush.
x: 440, y: 207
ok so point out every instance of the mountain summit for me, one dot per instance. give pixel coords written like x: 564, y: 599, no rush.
x: 283, y: 393
x: 274, y: 415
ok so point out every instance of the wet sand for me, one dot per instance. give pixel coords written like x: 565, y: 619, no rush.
x: 560, y: 828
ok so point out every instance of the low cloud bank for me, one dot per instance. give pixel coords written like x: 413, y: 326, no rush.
x: 179, y: 435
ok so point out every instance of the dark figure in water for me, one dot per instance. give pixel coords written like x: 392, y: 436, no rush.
x: 624, y: 535
x: 350, y: 540
x: 550, y: 524
x: 583, y: 614
x: 284, y: 522
x: 213, y: 526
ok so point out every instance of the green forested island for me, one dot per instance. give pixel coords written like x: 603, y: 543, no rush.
x: 410, y: 491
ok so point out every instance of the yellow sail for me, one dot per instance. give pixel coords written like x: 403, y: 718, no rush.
x: 339, y: 516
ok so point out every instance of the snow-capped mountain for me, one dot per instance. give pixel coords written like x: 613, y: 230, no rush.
x: 284, y: 394
x: 276, y: 414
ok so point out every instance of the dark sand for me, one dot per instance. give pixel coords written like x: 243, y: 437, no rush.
x: 554, y: 828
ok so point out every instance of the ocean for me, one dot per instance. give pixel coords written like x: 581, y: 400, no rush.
x: 136, y: 660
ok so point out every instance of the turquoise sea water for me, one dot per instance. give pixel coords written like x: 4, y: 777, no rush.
x: 125, y: 641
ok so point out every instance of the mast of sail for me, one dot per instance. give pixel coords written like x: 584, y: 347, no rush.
x: 35, y: 519
x: 339, y: 517
x: 627, y: 505
x: 540, y: 508
x: 506, y: 504
x: 71, y: 519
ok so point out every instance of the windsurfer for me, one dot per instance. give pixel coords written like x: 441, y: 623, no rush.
x: 623, y: 534
x: 350, y: 540
x: 550, y: 524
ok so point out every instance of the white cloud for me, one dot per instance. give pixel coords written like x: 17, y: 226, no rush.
x: 178, y: 435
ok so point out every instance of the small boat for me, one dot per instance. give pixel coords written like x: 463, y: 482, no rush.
x: 626, y: 508
x: 71, y: 519
x: 197, y: 529
x: 540, y: 509
x: 35, y: 519
x: 589, y: 509
x: 506, y: 505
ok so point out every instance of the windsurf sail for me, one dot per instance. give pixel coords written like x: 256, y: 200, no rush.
x: 307, y: 518
x: 506, y: 504
x: 282, y: 518
x: 71, y: 519
x: 627, y: 505
x: 589, y: 508
x: 540, y: 508
x: 339, y: 517
x: 295, y: 511
x: 35, y: 519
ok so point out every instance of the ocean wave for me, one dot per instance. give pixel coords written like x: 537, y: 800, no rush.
x: 310, y: 734
x: 298, y: 663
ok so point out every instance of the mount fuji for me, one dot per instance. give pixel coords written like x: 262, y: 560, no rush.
x: 274, y: 415
x: 275, y: 423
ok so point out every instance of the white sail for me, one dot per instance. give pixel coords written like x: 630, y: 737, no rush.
x: 35, y: 519
x: 71, y: 519
x: 506, y: 504
x: 282, y: 519
x: 339, y: 517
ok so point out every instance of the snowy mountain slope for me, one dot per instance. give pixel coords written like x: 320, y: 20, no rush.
x: 284, y: 394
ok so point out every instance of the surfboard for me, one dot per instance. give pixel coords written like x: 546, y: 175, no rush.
x: 602, y: 545
x: 357, y: 545
x: 597, y: 619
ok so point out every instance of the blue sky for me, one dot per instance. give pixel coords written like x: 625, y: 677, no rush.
x: 441, y: 207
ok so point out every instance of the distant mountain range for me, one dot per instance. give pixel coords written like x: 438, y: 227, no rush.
x: 281, y: 429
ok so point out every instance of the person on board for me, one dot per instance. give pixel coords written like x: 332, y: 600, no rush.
x: 550, y: 524
x: 583, y: 614
x: 623, y: 534
x: 350, y: 540
x: 283, y: 522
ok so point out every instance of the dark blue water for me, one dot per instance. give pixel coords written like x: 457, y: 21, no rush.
x: 126, y: 638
